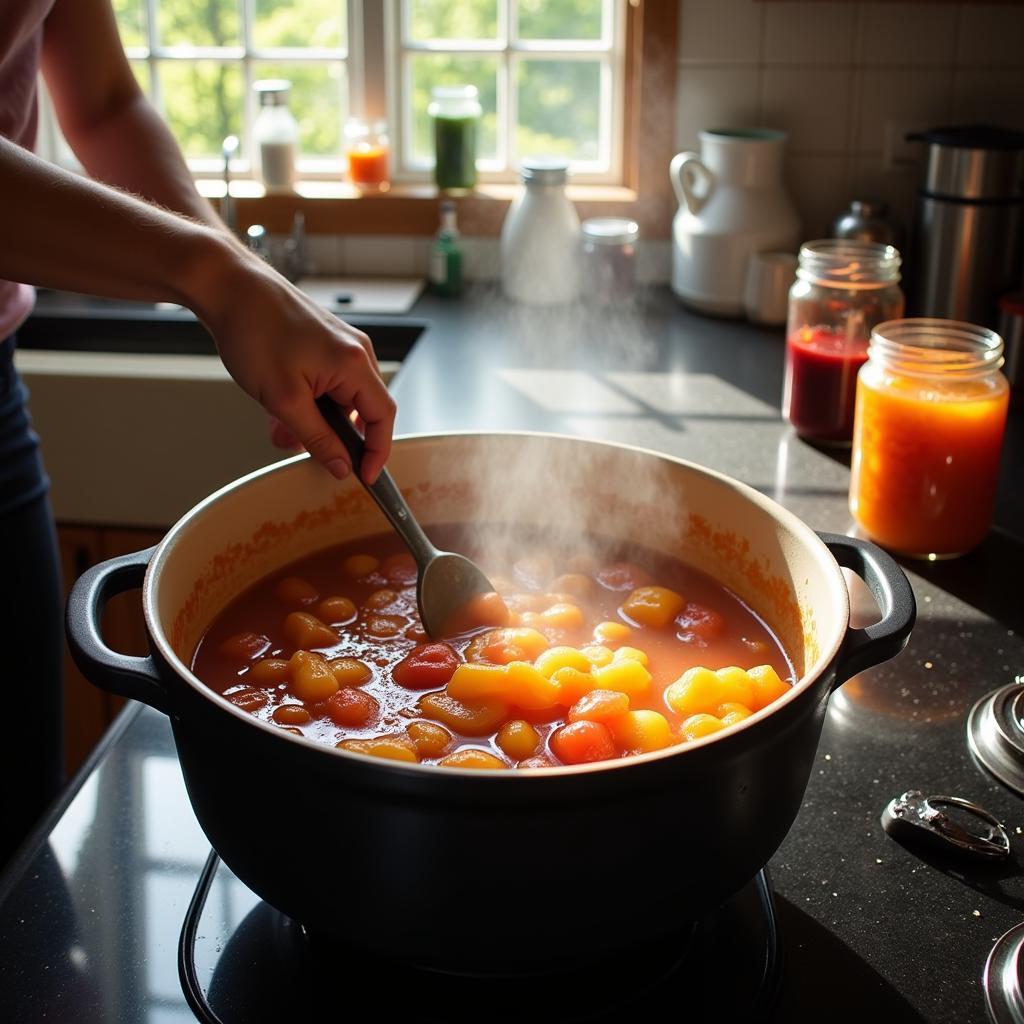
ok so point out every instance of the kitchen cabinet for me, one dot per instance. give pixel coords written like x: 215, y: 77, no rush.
x: 88, y: 711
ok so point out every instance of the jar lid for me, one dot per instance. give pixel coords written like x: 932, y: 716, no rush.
x: 610, y: 230
x: 544, y: 170
x: 273, y: 92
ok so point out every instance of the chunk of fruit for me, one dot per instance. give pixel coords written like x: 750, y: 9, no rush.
x: 337, y: 610
x: 426, y: 667
x: 268, y: 672
x: 359, y: 566
x: 354, y: 708
x: 530, y: 689
x: 381, y: 600
x: 392, y: 748
x: 612, y: 633
x: 737, y: 686
x: 599, y: 706
x: 295, y: 592
x: 431, y: 740
x: 501, y: 646
x: 640, y: 731
x: 731, y: 712
x: 697, y: 726
x: 767, y: 686
x: 311, y: 678
x: 248, y: 699
x: 244, y: 647
x: 555, y: 658
x: 475, y: 718
x: 626, y: 676
x: 572, y: 684
x: 291, y: 714
x: 562, y: 616
x: 350, y: 671
x: 699, y: 624
x: 400, y: 569
x: 478, y: 681
x: 308, y: 632
x: 472, y: 757
x: 631, y: 654
x: 656, y: 607
x: 481, y: 610
x: 518, y: 739
x: 623, y: 576
x: 536, y: 761
x: 582, y: 743
x: 697, y: 691
x: 574, y: 583
x: 384, y: 626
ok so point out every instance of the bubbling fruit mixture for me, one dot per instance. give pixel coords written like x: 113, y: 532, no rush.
x: 589, y: 659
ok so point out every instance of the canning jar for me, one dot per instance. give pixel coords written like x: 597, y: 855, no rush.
x: 455, y: 111
x: 931, y: 410
x: 843, y: 289
x: 609, y: 259
x: 367, y: 151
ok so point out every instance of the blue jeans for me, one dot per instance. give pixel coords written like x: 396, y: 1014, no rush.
x: 31, y: 621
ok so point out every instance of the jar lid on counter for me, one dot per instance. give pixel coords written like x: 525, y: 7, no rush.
x: 610, y: 230
x: 544, y: 170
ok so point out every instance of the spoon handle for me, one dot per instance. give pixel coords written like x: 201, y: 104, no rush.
x: 384, y: 491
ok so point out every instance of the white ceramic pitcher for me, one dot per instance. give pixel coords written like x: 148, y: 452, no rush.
x: 732, y: 203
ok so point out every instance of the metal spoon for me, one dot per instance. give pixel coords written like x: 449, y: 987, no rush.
x: 446, y: 583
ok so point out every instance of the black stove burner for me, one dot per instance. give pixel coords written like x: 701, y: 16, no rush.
x: 723, y: 967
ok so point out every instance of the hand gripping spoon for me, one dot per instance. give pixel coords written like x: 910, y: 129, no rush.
x: 449, y: 587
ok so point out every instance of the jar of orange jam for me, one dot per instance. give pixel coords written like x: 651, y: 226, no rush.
x: 928, y: 429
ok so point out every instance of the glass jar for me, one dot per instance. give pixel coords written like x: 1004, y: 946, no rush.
x: 843, y: 289
x: 609, y: 259
x: 276, y: 133
x: 931, y: 411
x: 455, y: 110
x: 367, y: 150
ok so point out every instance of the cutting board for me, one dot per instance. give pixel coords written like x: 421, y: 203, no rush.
x: 390, y: 295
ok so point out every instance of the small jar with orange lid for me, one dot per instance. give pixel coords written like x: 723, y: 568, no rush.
x: 928, y: 431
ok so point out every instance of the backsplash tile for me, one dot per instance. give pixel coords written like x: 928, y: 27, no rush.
x: 813, y: 33
x: 720, y: 30
x: 991, y: 34
x: 715, y: 98
x: 886, y: 29
x: 918, y: 98
x: 811, y: 104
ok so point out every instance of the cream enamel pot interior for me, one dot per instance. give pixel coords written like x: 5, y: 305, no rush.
x: 467, y: 870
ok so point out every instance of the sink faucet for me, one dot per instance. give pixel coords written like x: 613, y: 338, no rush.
x: 293, y: 257
x: 227, y: 211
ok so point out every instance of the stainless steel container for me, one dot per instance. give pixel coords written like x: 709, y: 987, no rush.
x: 967, y: 234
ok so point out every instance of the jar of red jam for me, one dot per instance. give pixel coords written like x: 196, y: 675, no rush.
x: 843, y: 289
x: 931, y: 412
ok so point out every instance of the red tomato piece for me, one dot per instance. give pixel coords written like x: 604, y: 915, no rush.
x: 426, y: 667
x: 351, y: 707
x: 623, y: 576
x: 698, y: 623
x: 583, y: 742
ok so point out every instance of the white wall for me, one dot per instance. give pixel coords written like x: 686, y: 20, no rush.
x: 841, y: 78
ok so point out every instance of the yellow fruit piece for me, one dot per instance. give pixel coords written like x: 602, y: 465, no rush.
x: 562, y: 616
x: 631, y: 654
x: 698, y: 691
x: 730, y: 713
x: 472, y: 757
x: 574, y: 583
x: 312, y: 680
x: 597, y: 654
x: 431, y: 740
x: 572, y: 684
x: 737, y: 686
x: 626, y: 676
x: 697, y: 726
x: 350, y: 671
x: 392, y: 748
x: 295, y: 592
x: 518, y: 739
x: 501, y: 646
x: 555, y: 658
x: 767, y: 686
x: 476, y: 718
x: 653, y: 606
x: 640, y: 731
x: 337, y: 610
x: 307, y: 631
x: 529, y: 688
x: 612, y: 632
x: 478, y: 681
x: 268, y: 672
x: 358, y: 566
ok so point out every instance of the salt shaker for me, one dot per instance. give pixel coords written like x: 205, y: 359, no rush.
x: 540, y: 237
x: 609, y: 259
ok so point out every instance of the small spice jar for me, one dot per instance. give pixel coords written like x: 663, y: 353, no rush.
x: 931, y: 411
x: 843, y: 289
x: 455, y: 110
x: 367, y: 149
x: 609, y: 259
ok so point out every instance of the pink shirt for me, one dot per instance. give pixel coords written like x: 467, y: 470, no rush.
x: 21, y: 40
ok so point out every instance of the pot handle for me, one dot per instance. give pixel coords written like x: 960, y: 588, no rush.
x: 874, y: 644
x: 124, y: 674
x: 684, y: 172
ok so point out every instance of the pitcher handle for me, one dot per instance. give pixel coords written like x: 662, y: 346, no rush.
x: 692, y: 181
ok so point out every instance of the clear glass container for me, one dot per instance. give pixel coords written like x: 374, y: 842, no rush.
x: 455, y: 111
x: 843, y: 289
x: 931, y: 412
x: 608, y: 272
x: 367, y: 150
x: 277, y: 135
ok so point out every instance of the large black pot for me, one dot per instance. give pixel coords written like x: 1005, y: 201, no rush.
x: 481, y: 870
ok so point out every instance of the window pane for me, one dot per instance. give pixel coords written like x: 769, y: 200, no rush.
x: 318, y: 99
x: 442, y: 19
x: 200, y: 23
x: 130, y: 23
x: 559, y: 108
x: 202, y: 102
x: 316, y: 23
x: 567, y: 19
x: 429, y: 70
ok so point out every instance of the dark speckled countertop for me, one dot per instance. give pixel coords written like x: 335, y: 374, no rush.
x: 870, y: 930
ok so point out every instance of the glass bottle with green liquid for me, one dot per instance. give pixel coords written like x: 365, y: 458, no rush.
x: 445, y: 270
x: 455, y: 111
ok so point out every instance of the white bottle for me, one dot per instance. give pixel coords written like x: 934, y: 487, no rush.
x: 277, y: 134
x: 540, y: 239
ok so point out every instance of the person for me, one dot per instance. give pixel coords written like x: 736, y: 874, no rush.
x: 134, y: 228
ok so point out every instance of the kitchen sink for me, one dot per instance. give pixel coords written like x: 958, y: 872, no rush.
x: 76, y: 323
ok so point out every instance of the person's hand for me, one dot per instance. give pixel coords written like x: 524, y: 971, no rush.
x: 285, y: 351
